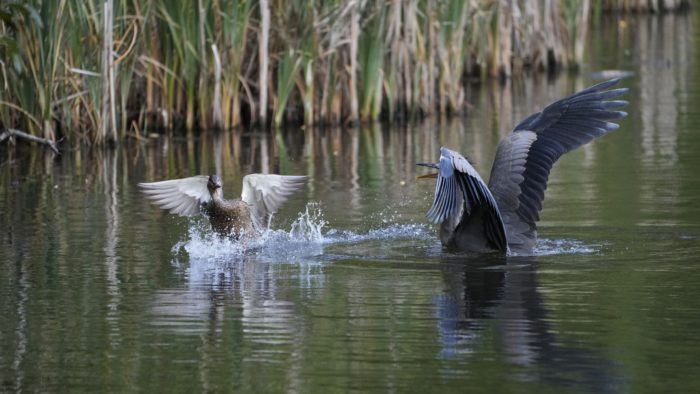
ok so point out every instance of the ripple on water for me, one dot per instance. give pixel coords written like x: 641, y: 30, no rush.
x: 547, y: 247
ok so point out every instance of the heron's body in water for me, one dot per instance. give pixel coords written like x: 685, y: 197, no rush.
x: 502, y: 216
x: 261, y: 197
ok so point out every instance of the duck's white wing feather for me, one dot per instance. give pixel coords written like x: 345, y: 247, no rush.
x: 265, y: 193
x: 180, y: 196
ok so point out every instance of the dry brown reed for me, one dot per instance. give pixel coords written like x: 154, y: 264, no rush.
x: 101, y: 71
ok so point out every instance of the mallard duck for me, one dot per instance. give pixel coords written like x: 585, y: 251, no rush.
x: 262, y: 196
x: 502, y: 216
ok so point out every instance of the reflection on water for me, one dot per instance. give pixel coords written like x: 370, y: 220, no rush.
x: 111, y: 188
x: 351, y: 291
x: 501, y: 297
x: 662, y: 79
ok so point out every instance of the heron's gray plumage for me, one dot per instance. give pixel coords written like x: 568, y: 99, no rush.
x: 463, y: 204
x: 503, y: 215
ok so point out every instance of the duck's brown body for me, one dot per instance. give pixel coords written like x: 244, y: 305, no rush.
x: 230, y: 218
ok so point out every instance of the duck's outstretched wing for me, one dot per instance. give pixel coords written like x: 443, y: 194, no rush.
x: 265, y: 194
x: 180, y: 196
x: 525, y: 157
x: 465, y: 206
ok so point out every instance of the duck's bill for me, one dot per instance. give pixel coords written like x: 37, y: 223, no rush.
x: 428, y: 176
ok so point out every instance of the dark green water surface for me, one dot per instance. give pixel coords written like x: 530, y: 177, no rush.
x: 101, y: 291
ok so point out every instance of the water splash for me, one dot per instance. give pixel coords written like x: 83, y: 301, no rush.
x: 305, y: 240
x: 302, y: 242
x: 309, y: 225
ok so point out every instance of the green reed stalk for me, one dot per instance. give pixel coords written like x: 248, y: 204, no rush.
x: 128, y: 28
x: 371, y: 60
x: 33, y: 84
x: 451, y: 52
x: 84, y: 81
x: 181, y: 25
x: 286, y: 74
x: 235, y: 20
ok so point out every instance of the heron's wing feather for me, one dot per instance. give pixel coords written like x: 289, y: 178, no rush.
x: 460, y: 188
x: 180, y: 196
x: 525, y: 157
x: 265, y: 193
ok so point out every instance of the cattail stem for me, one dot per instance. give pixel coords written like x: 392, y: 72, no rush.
x: 217, y: 116
x: 264, y: 58
x: 109, y: 111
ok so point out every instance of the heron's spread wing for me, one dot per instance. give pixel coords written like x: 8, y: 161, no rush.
x: 459, y: 188
x: 265, y: 193
x: 525, y: 157
x: 180, y: 196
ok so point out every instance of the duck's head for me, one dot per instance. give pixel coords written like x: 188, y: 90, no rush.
x: 214, y: 186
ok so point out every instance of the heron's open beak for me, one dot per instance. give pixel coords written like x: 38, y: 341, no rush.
x: 428, y: 176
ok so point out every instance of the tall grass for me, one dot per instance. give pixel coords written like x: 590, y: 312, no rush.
x: 231, y: 63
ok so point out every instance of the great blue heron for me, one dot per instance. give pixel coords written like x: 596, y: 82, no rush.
x: 502, y: 216
x: 261, y: 197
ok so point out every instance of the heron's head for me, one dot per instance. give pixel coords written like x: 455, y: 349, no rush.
x: 444, y: 166
x: 214, y: 185
x: 429, y: 165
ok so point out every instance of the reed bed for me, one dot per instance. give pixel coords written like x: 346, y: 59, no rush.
x: 99, y: 71
x: 643, y: 5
